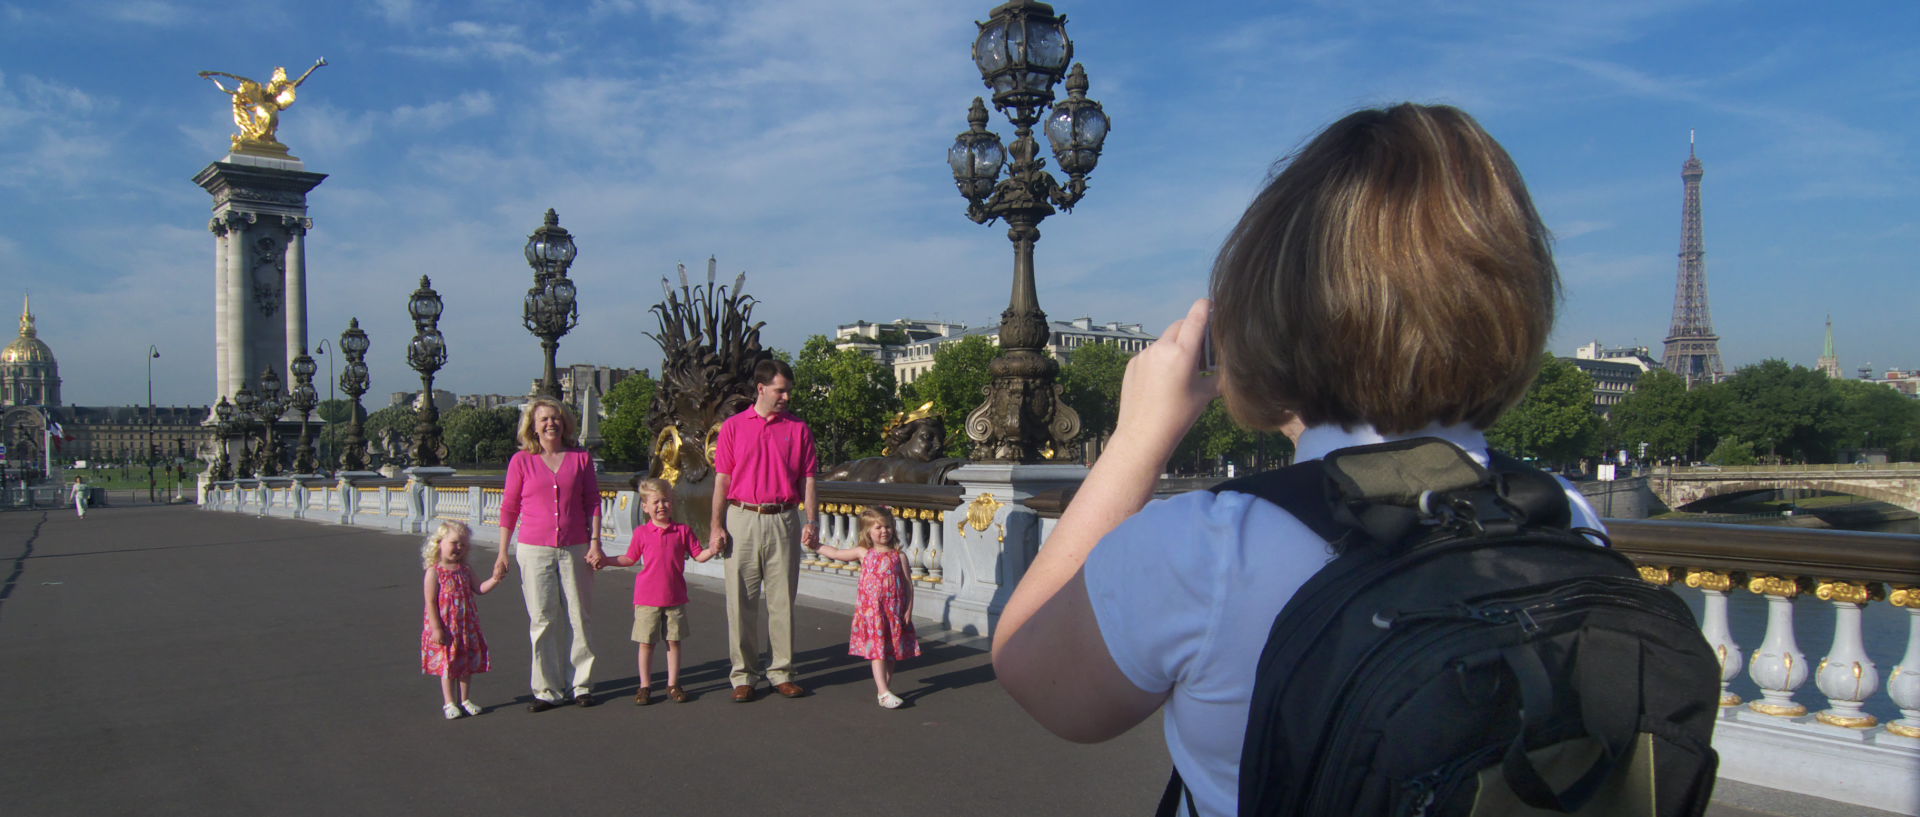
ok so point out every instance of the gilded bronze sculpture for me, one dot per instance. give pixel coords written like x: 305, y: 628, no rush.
x: 257, y: 107
x: 914, y: 442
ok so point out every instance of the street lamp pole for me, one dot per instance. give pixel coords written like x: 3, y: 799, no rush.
x: 243, y: 430
x: 426, y: 354
x: 152, y: 353
x: 322, y: 350
x: 354, y: 381
x: 222, y: 431
x: 551, y: 308
x: 1021, y: 51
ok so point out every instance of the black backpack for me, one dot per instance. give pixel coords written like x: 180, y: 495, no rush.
x: 1468, y: 653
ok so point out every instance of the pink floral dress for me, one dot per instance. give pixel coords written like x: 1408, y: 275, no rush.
x: 882, y: 624
x: 465, y: 652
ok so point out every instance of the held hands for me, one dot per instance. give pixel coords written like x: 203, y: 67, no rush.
x: 721, y: 542
x: 500, y: 570
x: 810, y: 536
x: 1163, y: 392
x: 595, y: 556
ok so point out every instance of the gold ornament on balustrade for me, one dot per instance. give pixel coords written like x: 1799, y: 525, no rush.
x: 1652, y: 574
x: 1846, y: 591
x: 1785, y: 587
x: 1904, y: 596
x: 981, y: 512
x: 1715, y: 580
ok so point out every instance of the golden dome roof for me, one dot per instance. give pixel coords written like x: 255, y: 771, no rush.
x: 28, y: 348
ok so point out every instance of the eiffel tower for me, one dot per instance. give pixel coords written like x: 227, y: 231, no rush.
x: 1692, y: 349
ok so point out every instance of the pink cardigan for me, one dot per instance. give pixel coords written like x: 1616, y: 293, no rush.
x: 553, y: 508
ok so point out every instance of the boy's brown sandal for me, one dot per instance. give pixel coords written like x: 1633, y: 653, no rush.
x: 643, y: 697
x: 678, y: 695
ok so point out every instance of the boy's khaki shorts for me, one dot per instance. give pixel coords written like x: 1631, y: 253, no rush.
x: 649, y: 622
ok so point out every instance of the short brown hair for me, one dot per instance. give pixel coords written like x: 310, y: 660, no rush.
x: 655, y: 486
x: 1392, y: 273
x: 766, y: 370
x: 530, y: 439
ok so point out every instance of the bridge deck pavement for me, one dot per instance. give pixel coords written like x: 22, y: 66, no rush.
x: 170, y: 661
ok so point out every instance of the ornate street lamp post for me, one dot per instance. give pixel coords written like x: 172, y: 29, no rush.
x: 268, y: 405
x: 243, y: 431
x: 222, y: 431
x: 550, y: 309
x: 354, y: 381
x: 302, y: 399
x: 426, y: 354
x: 1022, y: 50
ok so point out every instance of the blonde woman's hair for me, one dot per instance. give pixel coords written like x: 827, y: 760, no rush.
x: 430, y: 552
x: 1393, y: 273
x: 530, y: 439
x: 870, y: 518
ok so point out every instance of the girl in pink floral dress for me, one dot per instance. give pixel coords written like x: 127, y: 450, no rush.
x: 883, y: 609
x: 451, y: 645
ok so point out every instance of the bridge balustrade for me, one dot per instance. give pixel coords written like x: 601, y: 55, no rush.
x: 920, y: 514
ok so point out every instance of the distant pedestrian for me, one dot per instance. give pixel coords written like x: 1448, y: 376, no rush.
x: 79, y: 496
x: 451, y: 645
x: 661, y: 548
x: 883, y: 607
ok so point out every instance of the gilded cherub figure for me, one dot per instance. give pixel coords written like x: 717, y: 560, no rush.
x: 257, y: 107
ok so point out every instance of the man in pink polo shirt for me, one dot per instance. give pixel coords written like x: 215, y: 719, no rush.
x: 764, y: 467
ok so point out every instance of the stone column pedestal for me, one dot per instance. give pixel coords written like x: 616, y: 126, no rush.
x: 995, y: 537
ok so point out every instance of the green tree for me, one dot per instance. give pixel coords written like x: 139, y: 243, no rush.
x: 1874, y: 416
x: 846, y: 396
x: 1731, y: 451
x: 480, y: 436
x: 1091, y: 382
x: 1785, y: 410
x: 1555, y: 421
x: 957, y: 385
x: 628, y: 439
x: 1659, y: 412
x: 334, y: 416
x: 1216, y: 440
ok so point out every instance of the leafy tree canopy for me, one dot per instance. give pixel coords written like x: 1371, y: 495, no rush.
x: 480, y: 436
x: 1091, y: 382
x: 1661, y: 413
x: 1555, y: 421
x: 628, y: 439
x: 846, y: 396
x: 957, y: 385
x: 1785, y: 410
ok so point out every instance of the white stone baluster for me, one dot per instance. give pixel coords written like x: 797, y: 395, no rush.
x: 1903, y: 686
x: 916, y: 544
x: 1846, y: 676
x: 936, y: 539
x: 1778, y: 666
x: 1714, y: 586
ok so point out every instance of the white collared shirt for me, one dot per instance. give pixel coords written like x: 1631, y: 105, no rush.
x: 1186, y: 590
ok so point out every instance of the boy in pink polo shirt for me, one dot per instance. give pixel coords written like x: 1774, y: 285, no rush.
x: 661, y: 548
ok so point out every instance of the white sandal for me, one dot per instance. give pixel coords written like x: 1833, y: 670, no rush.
x: 889, y: 700
x: 451, y: 711
x: 471, y: 707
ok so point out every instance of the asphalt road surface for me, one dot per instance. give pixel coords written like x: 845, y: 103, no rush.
x: 166, y: 660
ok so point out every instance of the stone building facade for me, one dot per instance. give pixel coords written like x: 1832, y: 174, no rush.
x: 914, y: 341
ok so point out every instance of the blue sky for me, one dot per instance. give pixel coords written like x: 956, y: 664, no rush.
x: 804, y: 142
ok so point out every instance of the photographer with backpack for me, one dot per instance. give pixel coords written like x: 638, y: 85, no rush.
x: 1386, y: 297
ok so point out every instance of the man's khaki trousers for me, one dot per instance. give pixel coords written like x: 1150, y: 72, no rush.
x: 764, y: 563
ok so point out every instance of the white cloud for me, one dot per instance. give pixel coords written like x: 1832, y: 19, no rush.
x: 435, y: 115
x: 397, y: 12
x: 143, y: 12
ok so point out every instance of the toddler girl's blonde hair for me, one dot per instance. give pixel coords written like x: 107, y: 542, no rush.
x: 430, y: 552
x: 868, y: 519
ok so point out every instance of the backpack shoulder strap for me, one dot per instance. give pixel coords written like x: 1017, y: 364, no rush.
x: 1301, y: 489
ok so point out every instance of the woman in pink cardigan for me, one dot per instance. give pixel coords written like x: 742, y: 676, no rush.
x: 553, y: 498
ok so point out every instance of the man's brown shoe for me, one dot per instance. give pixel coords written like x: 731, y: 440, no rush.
x: 742, y: 694
x: 790, y: 689
x: 643, y: 697
x: 678, y: 695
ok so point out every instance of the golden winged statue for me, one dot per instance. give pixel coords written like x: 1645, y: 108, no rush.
x: 257, y: 107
